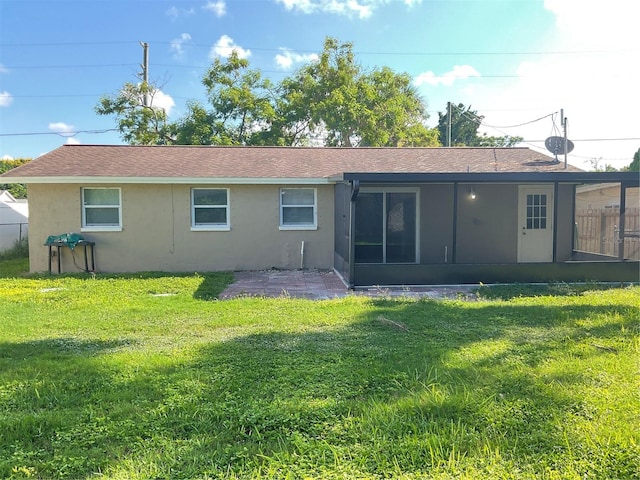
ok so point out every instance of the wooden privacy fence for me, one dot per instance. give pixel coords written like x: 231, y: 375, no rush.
x: 598, y: 231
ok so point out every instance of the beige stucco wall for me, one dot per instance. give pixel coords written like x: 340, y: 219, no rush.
x: 156, y: 233
x: 436, y: 223
x: 487, y: 225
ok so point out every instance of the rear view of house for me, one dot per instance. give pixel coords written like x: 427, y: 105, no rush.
x: 375, y: 215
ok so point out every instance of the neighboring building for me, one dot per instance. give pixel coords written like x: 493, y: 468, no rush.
x: 376, y: 215
x: 598, y: 219
x: 14, y: 220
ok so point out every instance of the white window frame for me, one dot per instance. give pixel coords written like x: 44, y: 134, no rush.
x: 210, y: 227
x: 97, y: 227
x: 299, y: 226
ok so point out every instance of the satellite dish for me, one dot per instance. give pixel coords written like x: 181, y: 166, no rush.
x: 556, y: 145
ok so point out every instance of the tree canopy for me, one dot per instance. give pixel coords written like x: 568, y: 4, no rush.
x: 345, y: 105
x: 332, y: 102
x: 464, y: 129
x: 18, y: 190
x: 635, y: 164
x: 139, y: 122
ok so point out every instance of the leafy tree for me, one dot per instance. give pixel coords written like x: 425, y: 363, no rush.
x: 324, y: 94
x: 18, y: 190
x: 487, y: 141
x: 139, y: 122
x: 333, y: 100
x: 396, y: 114
x: 635, y: 164
x: 599, y: 167
x: 241, y: 100
x: 464, y: 129
x: 351, y: 107
x: 464, y: 125
x: 196, y: 128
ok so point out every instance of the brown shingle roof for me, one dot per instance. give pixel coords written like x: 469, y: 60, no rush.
x: 182, y: 162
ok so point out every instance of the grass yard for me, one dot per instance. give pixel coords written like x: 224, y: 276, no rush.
x: 15, y: 260
x: 14, y: 267
x: 148, y: 376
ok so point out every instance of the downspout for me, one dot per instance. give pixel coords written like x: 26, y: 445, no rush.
x: 355, y: 189
x: 554, y: 257
x: 574, y: 239
x: 623, y: 207
x: 454, y: 239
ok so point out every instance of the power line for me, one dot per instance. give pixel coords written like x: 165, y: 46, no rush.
x: 72, y: 133
x: 45, y: 67
x: 67, y: 44
x: 621, y: 139
x: 62, y: 95
x: 520, y: 124
x: 480, y: 120
x: 204, y: 67
x: 356, y: 52
x: 107, y: 130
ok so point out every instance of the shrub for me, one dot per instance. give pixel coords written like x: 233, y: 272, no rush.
x: 20, y: 249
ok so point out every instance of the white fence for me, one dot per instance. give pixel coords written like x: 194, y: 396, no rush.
x: 10, y: 233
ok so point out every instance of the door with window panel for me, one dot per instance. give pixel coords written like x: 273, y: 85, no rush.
x: 535, y: 223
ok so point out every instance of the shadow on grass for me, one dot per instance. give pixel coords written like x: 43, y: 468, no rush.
x: 59, y: 346
x: 213, y: 284
x: 405, y: 387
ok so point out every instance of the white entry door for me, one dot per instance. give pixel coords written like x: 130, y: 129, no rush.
x: 535, y: 223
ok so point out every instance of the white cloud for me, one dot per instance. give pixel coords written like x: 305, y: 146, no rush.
x: 219, y: 7
x: 177, y: 44
x: 595, y: 83
x: 175, y: 12
x: 62, y: 128
x: 597, y: 23
x: 163, y: 101
x: 6, y: 157
x: 288, y: 58
x: 6, y: 99
x: 225, y: 46
x: 359, y: 8
x: 72, y: 141
x: 459, y: 72
x: 352, y: 6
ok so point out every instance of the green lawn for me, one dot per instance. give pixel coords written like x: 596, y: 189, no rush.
x: 149, y: 376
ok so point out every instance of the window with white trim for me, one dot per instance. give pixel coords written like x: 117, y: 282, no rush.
x: 210, y: 209
x: 101, y: 208
x: 298, y: 209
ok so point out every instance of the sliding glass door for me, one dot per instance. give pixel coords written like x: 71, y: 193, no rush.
x: 386, y: 227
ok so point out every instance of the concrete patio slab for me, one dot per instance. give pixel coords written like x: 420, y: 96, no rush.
x: 322, y: 285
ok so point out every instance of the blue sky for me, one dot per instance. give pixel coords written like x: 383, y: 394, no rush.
x: 514, y: 61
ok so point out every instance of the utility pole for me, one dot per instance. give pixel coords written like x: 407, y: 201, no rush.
x: 145, y: 70
x: 563, y: 121
x: 448, y: 124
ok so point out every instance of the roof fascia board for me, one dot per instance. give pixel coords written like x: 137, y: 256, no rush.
x: 631, y: 178
x: 169, y: 180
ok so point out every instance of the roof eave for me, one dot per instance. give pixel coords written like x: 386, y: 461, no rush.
x: 168, y: 180
x: 629, y: 178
